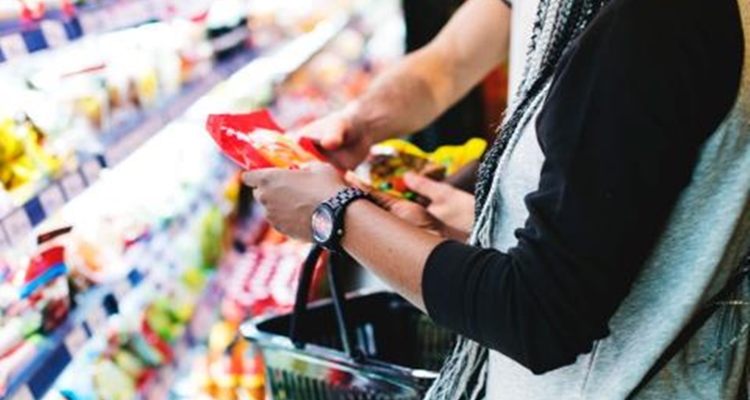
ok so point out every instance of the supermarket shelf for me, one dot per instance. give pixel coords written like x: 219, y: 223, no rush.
x: 119, y: 142
x: 90, y: 317
x: 59, y: 25
x: 195, y: 331
x: 59, y: 348
x: 243, y: 76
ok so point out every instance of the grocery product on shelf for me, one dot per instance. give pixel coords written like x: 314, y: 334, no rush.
x: 25, y: 156
x: 158, y: 273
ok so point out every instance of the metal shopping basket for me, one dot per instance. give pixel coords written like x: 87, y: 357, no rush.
x: 372, y: 346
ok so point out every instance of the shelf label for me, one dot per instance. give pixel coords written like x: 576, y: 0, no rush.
x: 23, y: 393
x: 52, y: 199
x: 13, y: 46
x: 17, y: 225
x: 75, y: 340
x: 55, y: 33
x: 73, y: 185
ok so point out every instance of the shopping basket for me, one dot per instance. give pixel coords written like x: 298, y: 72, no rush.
x: 371, y: 346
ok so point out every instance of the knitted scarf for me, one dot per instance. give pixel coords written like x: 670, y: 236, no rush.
x: 557, y: 24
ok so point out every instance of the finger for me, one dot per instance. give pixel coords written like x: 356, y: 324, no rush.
x: 250, y: 179
x: 333, y: 136
x: 257, y: 178
x: 342, y: 159
x: 425, y: 186
x: 384, y: 200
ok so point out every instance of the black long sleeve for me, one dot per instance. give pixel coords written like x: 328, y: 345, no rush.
x: 631, y: 104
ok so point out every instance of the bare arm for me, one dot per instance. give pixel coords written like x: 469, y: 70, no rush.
x: 420, y: 87
x: 427, y: 82
x: 391, y: 248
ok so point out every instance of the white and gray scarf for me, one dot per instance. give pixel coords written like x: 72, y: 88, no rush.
x: 557, y: 24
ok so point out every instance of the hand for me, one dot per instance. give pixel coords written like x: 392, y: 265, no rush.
x: 290, y: 197
x: 407, y: 210
x: 343, y: 142
x: 452, y: 206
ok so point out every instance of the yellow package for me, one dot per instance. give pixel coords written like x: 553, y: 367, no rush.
x: 389, y: 161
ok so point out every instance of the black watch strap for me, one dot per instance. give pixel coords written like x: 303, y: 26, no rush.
x: 346, y: 196
x: 338, y: 205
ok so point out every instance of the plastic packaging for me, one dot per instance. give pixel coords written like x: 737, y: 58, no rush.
x: 255, y: 141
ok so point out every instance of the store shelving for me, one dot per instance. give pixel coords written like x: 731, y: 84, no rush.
x: 91, y: 315
x: 26, y: 30
x: 119, y: 143
x: 123, y: 139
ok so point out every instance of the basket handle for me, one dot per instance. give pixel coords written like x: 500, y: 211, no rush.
x: 335, y: 261
x: 303, y: 295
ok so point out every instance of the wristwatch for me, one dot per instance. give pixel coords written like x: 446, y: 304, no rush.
x: 328, y: 218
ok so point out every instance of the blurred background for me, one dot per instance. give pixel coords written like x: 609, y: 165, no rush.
x: 130, y: 253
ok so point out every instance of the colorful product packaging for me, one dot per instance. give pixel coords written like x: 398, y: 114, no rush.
x: 255, y: 141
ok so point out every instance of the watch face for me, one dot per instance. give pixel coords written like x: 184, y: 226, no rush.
x: 322, y: 224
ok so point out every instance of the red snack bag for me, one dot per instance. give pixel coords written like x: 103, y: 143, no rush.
x: 255, y: 141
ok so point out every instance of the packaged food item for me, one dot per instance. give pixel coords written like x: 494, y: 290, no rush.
x: 389, y: 161
x: 23, y: 158
x: 45, y: 285
x: 255, y: 141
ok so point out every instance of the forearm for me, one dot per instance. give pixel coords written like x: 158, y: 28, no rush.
x: 427, y: 82
x: 403, y: 99
x: 389, y: 247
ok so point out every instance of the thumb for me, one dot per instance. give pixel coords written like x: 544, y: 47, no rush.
x: 425, y: 186
x: 333, y: 138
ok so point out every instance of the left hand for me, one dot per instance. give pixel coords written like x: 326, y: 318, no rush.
x: 290, y: 197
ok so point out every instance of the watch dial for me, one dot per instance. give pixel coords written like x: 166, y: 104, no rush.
x: 322, y: 224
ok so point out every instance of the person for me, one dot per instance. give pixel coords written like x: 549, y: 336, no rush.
x: 612, y: 213
x: 423, y: 20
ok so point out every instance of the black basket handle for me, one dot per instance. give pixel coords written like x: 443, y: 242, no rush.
x: 335, y: 260
x: 303, y: 295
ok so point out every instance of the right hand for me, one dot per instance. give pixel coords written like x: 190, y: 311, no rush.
x: 342, y: 141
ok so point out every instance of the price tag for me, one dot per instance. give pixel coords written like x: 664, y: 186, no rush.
x: 54, y: 32
x: 24, y: 393
x: 52, y: 199
x: 97, y: 320
x: 75, y: 340
x: 13, y: 46
x: 17, y: 225
x: 73, y: 185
